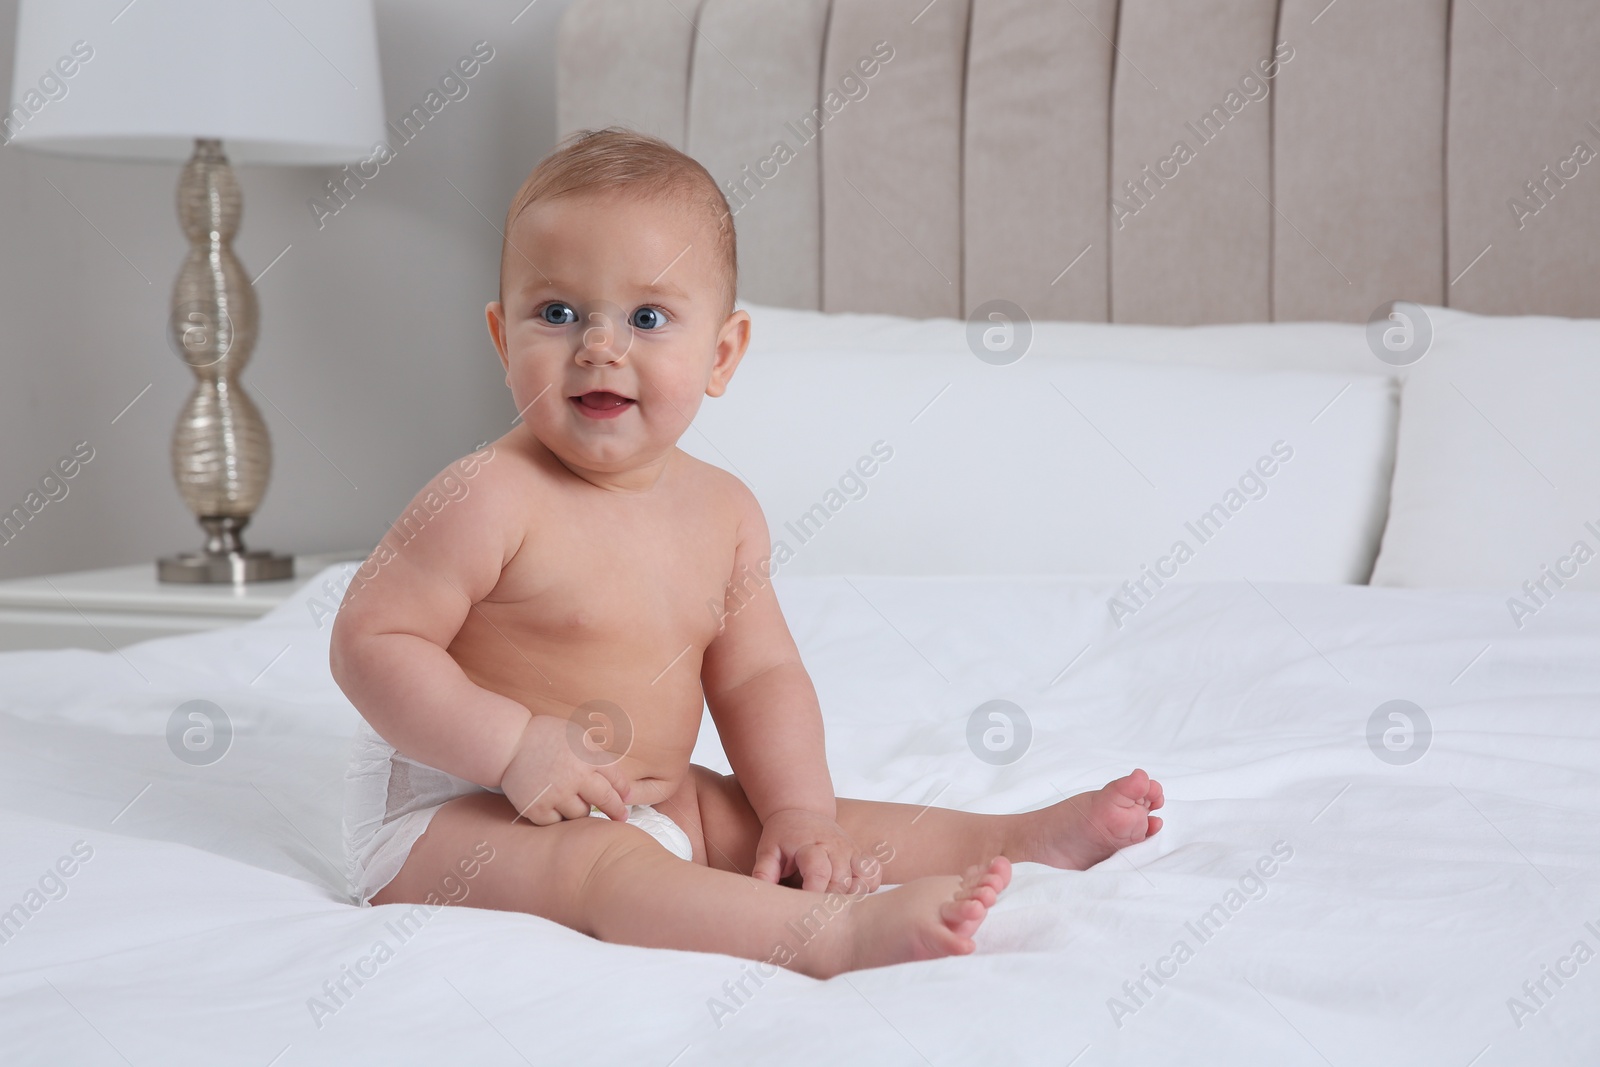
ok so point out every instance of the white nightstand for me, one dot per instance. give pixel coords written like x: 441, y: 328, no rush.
x: 117, y: 606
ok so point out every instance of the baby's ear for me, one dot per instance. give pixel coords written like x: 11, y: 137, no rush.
x: 732, y: 340
x: 496, y: 316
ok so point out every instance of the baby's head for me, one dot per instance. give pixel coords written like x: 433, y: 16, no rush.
x: 617, y: 283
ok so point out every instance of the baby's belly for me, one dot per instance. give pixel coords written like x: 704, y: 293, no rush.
x: 638, y: 708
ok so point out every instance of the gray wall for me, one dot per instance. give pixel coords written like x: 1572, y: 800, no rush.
x: 372, y: 348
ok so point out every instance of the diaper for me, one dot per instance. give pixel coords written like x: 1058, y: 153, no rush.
x: 658, y: 826
x: 389, y: 799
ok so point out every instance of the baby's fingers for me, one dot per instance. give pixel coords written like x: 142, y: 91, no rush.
x: 816, y: 869
x: 618, y: 781
x: 597, y: 790
x: 769, y: 863
x: 573, y: 807
x: 541, y: 814
x: 868, y: 872
x: 843, y: 877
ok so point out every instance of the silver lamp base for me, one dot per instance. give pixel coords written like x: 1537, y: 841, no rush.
x: 224, y: 559
x: 221, y: 453
x: 258, y: 566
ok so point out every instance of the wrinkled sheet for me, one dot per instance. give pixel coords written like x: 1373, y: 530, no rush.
x: 1428, y: 911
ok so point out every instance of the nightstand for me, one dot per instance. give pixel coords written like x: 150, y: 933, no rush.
x: 117, y: 606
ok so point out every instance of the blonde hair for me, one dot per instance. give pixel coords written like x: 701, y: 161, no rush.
x: 621, y: 160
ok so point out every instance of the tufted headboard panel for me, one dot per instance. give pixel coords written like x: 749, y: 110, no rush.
x: 1152, y: 161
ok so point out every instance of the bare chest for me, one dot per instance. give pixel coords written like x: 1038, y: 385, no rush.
x: 627, y: 587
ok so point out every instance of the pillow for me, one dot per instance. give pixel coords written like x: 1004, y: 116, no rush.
x: 1335, y: 347
x: 1497, y: 474
x: 911, y: 459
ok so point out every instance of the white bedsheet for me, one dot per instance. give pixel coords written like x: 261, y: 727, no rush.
x: 1417, y: 902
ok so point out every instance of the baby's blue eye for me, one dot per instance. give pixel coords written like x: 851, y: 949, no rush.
x: 558, y: 314
x: 648, y: 318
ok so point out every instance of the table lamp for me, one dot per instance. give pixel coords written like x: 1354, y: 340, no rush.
x: 268, y: 81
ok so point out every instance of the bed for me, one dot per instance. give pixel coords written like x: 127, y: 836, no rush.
x: 1371, y: 685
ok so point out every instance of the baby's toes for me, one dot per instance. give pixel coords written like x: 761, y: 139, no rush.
x: 983, y: 893
x: 1130, y: 786
x: 998, y: 874
x: 962, y: 917
x: 985, y: 882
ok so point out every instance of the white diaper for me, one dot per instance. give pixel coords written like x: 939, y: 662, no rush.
x: 389, y: 799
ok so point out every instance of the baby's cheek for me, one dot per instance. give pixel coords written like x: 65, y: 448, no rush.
x: 682, y: 391
x: 527, y: 381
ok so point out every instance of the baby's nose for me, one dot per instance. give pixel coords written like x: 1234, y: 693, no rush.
x: 602, y: 341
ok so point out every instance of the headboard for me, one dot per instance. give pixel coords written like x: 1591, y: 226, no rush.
x: 1151, y: 161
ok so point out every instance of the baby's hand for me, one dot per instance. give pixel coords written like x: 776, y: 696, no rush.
x: 547, y: 781
x: 815, y: 846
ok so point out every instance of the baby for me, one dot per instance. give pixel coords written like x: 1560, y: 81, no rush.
x: 538, y: 653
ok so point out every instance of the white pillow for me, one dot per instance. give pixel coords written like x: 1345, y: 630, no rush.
x: 935, y: 462
x: 1335, y: 347
x: 1497, y: 475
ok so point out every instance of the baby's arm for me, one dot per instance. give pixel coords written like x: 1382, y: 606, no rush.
x: 766, y: 712
x: 388, y: 653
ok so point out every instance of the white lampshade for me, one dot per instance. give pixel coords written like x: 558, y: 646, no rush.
x: 278, y: 81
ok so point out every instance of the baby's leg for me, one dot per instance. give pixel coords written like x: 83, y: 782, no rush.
x: 616, y: 883
x: 1075, y: 834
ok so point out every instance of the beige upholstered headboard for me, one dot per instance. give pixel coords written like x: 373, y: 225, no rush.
x: 1151, y: 161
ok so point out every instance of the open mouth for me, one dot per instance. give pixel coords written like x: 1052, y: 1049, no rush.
x: 602, y: 405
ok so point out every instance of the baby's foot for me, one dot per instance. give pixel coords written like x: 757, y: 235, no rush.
x: 926, y: 918
x: 1083, y: 830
